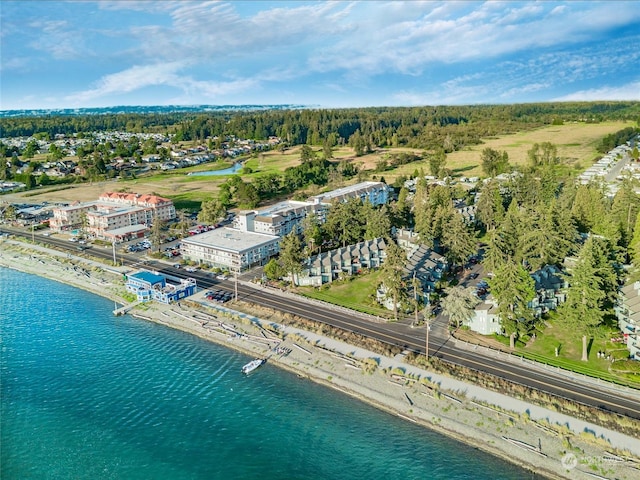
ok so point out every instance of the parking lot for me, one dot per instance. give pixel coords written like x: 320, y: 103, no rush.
x: 218, y: 296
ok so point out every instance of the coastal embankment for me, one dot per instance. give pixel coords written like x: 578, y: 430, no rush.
x: 541, y: 440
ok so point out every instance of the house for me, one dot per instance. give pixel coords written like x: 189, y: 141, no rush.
x: 550, y: 292
x: 485, y: 320
x: 627, y: 312
x: 149, y: 286
x: 550, y: 286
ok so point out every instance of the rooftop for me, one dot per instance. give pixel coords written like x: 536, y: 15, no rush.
x: 351, y: 189
x: 148, y: 277
x: 230, y: 239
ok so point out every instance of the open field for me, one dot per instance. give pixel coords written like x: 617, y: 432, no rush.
x: 569, y: 344
x: 576, y: 144
x: 355, y: 293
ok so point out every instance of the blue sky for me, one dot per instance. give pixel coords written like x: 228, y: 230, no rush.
x: 331, y: 54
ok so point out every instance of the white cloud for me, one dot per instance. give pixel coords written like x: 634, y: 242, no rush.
x: 58, y: 38
x: 129, y: 80
x: 630, y: 91
x: 165, y: 74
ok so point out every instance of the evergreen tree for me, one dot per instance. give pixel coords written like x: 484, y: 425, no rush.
x: 494, y: 162
x: 437, y: 161
x: 458, y: 240
x: 156, y: 232
x: 291, y: 256
x: 495, y: 255
x: 312, y: 233
x: 211, y: 212
x: 344, y: 221
x: 273, y: 270
x: 542, y: 243
x: 378, y: 224
x: 392, y: 274
x: 401, y: 216
x: 634, y: 252
x: 582, y: 311
x: 513, y: 288
x: 489, y: 209
x: 458, y: 304
x: 626, y: 205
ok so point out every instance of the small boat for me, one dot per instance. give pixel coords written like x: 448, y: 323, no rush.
x: 252, y: 365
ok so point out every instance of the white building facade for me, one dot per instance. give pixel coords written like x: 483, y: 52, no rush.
x: 230, y: 249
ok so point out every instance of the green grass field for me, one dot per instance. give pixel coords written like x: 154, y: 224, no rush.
x: 569, y: 344
x: 355, y: 293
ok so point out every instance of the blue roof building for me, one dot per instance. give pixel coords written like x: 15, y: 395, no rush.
x: 149, y: 286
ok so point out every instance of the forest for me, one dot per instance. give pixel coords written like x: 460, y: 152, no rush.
x: 430, y: 127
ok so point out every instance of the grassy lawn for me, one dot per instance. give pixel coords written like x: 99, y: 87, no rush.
x: 576, y: 142
x: 355, y: 293
x: 569, y: 346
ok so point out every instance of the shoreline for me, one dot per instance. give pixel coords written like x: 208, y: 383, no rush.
x: 444, y: 405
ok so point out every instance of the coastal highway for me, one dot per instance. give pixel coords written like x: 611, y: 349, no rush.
x: 596, y: 394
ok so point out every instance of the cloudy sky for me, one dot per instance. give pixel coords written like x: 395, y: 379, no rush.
x: 329, y: 54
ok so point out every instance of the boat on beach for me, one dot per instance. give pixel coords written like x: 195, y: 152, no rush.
x: 252, y: 365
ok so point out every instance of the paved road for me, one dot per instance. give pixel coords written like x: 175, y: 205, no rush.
x: 440, y: 344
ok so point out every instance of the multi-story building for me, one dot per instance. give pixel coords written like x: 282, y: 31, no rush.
x: 377, y: 193
x: 628, y: 315
x: 329, y: 266
x: 114, y: 216
x: 230, y: 249
x: 285, y: 217
x: 279, y: 219
x: 161, y: 208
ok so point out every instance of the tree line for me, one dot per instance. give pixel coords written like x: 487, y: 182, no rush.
x: 429, y: 127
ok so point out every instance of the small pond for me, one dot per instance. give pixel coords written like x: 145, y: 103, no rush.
x: 227, y: 171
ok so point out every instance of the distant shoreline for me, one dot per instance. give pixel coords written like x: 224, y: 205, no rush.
x: 409, y: 400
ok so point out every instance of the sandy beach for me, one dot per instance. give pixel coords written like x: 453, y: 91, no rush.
x: 543, y: 441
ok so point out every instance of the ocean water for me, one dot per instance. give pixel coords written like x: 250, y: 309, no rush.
x: 86, y: 395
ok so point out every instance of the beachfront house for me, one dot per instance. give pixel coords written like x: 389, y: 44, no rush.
x: 149, y: 286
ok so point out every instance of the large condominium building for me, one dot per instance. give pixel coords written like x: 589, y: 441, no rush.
x: 377, y: 193
x: 162, y: 208
x: 279, y: 219
x: 114, y: 216
x: 230, y: 249
x: 285, y: 217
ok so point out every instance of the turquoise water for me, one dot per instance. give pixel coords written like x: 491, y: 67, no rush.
x: 85, y: 394
x: 227, y: 171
